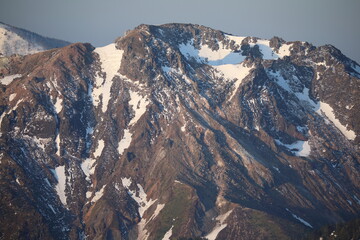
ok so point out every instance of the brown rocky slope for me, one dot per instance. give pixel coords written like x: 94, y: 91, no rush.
x: 178, y: 131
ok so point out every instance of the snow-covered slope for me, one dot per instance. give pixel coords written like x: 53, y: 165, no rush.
x: 14, y: 40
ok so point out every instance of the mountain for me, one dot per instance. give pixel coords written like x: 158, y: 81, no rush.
x: 179, y: 131
x: 15, y: 40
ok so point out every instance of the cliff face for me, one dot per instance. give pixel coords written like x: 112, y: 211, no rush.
x: 178, y: 131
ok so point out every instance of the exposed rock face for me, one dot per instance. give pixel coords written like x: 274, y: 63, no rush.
x: 178, y: 131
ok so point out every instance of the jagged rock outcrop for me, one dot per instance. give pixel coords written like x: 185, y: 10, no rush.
x: 178, y: 131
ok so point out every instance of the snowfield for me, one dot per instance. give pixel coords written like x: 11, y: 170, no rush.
x: 110, y: 59
x: 59, y: 174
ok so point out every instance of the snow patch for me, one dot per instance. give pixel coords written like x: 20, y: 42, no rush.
x: 143, y: 234
x: 328, y: 111
x: 141, y: 198
x: 357, y: 199
x: 139, y: 105
x: 168, y: 234
x: 348, y: 107
x: 189, y: 51
x: 58, y: 105
x: 18, y: 181
x: 277, y: 169
x: 299, y: 148
x: 237, y: 39
x: 57, y: 141
x: 99, y: 149
x: 284, y: 50
x: 8, y: 79
x: 59, y: 174
x: 89, y: 132
x: 98, y: 194
x: 125, y: 141
x: 265, y: 49
x: 110, y: 58
x: 319, y: 64
x: 88, y: 194
x: 51, y: 207
x: 126, y: 182
x: 183, y: 128
x: 12, y: 96
x: 233, y: 71
x: 158, y: 209
x: 221, y: 56
x: 280, y: 80
x: 227, y: 62
x: 303, y: 96
x: 88, y: 167
x: 320, y: 107
x: 225, y: 55
x: 176, y: 73
x: 300, y: 219
x: 6, y: 113
x: 220, y: 225
x: 212, y: 57
x: 41, y: 142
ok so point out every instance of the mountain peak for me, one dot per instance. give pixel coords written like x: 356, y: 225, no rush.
x: 179, y: 131
x: 15, y: 40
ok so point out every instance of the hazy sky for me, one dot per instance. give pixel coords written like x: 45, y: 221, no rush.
x: 101, y: 21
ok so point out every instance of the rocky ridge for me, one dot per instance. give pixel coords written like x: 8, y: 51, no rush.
x: 178, y: 131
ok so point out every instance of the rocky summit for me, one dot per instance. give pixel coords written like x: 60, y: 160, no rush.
x: 179, y: 131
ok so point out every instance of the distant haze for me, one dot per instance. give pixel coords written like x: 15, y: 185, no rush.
x: 100, y: 22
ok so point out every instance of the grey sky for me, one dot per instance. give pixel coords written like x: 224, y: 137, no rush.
x: 101, y: 21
